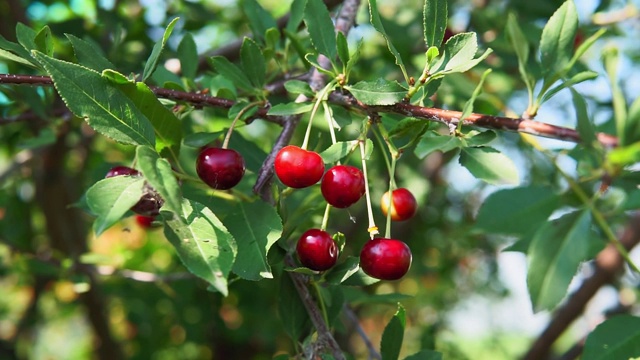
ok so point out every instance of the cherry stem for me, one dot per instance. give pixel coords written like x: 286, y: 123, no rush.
x: 328, y: 115
x: 373, y: 229
x: 392, y: 186
x: 321, y: 98
x: 225, y: 143
x: 325, y: 218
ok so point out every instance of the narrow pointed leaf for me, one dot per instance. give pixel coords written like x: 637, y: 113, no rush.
x: 26, y: 37
x: 343, y: 47
x: 296, y: 15
x: 380, y: 92
x: 490, y: 165
x: 154, y: 58
x: 290, y: 109
x: 17, y: 49
x: 611, y: 60
x: 256, y: 227
x: 259, y: 19
x: 585, y: 127
x: 425, y: 355
x: 253, y: 62
x: 434, y: 20
x: 188, y: 55
x: 204, y: 245
x: 556, y: 251
x: 160, y: 176
x: 88, y: 95
x: 232, y: 72
x: 517, y: 211
x: 341, y: 149
x: 557, y: 39
x: 435, y: 142
x: 393, y: 335
x: 575, y: 79
x: 88, y: 54
x: 109, y: 199
x: 615, y: 338
x: 321, y: 29
x: 520, y: 44
x: 376, y: 21
x: 468, y: 106
x: 44, y: 41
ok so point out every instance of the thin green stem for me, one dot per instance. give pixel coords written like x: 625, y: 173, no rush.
x: 227, y: 137
x: 392, y: 186
x: 325, y: 218
x: 381, y: 142
x: 329, y: 117
x: 321, y: 98
x: 373, y: 229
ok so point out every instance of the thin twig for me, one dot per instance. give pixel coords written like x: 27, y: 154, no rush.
x: 373, y: 353
x: 141, y: 276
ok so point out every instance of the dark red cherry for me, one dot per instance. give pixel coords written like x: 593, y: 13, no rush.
x: 342, y: 185
x: 144, y: 221
x: 150, y: 202
x: 298, y: 168
x: 403, y: 204
x: 385, y: 259
x: 317, y: 250
x: 220, y: 168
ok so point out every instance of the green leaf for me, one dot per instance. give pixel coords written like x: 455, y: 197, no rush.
x: 88, y: 54
x: 256, y: 227
x: 556, y: 251
x: 556, y: 43
x: 188, y: 55
x: 407, y: 126
x: 380, y: 92
x: 458, y: 54
x: 586, y: 44
x: 166, y: 126
x: 376, y: 21
x: 204, y: 245
x: 253, y: 62
x: 321, y: 29
x: 44, y: 41
x: 88, y: 95
x: 341, y: 149
x: 468, y: 106
x: 584, y: 125
x: 517, y: 211
x: 615, y: 338
x: 299, y: 87
x: 201, y: 138
x: 296, y: 15
x: 160, y: 176
x: 343, y: 48
x: 520, y: 44
x: 15, y: 52
x: 154, y: 58
x: 633, y: 121
x: 625, y: 155
x: 434, y: 20
x: 109, y: 199
x: 393, y: 335
x: 575, y: 79
x: 343, y: 271
x: 293, y: 314
x: 259, y: 19
x: 488, y: 164
x: 26, y: 37
x: 476, y: 138
x: 611, y: 60
x: 425, y: 355
x: 232, y: 72
x: 435, y: 142
x: 313, y: 60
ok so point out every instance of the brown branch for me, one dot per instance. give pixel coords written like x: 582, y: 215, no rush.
x: 353, y: 318
x: 448, y: 117
x: 608, y: 264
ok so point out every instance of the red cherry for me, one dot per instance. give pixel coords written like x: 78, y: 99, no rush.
x: 342, y: 186
x: 385, y: 259
x: 317, y: 250
x: 403, y: 204
x: 298, y: 168
x: 150, y: 202
x: 220, y: 168
x: 144, y: 221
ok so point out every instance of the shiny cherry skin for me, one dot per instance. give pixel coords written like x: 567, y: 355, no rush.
x: 298, y: 168
x: 403, y: 204
x: 317, y: 250
x: 342, y: 186
x: 150, y: 202
x: 220, y: 168
x: 385, y: 259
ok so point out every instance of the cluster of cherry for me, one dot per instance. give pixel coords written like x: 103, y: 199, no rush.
x: 341, y: 186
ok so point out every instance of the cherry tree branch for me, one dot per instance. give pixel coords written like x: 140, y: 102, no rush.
x: 448, y: 117
x: 608, y: 264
